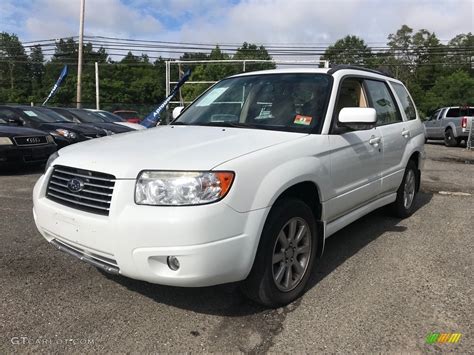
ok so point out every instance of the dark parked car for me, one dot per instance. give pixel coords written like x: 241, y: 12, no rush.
x: 63, y: 131
x: 90, y: 117
x: 20, y: 145
x: 130, y: 116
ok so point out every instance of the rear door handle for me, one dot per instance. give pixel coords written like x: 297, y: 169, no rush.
x: 374, y: 141
x: 406, y: 133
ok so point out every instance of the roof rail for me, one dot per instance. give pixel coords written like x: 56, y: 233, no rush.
x: 355, y: 67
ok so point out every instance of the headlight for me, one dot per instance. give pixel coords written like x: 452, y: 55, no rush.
x: 179, y: 188
x: 50, y: 161
x: 49, y: 139
x: 5, y: 141
x: 64, y: 133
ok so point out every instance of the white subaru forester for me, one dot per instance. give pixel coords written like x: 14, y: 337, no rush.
x: 245, y: 184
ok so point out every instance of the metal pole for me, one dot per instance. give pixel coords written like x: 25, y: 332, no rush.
x: 79, y: 57
x: 97, y: 102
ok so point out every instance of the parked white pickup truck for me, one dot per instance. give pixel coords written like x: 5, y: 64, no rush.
x: 451, y: 124
x: 245, y: 185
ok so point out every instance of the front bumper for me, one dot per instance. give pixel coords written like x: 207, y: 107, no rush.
x: 213, y: 243
x: 13, y: 154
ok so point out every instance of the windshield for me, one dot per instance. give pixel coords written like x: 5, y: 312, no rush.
x: 109, y: 117
x: 54, y: 114
x: 290, y: 102
x: 88, y: 116
x: 43, y: 116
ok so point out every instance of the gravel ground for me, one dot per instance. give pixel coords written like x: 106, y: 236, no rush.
x: 382, y: 286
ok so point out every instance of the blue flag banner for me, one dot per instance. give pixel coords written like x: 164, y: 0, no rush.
x: 56, y: 86
x: 153, y: 118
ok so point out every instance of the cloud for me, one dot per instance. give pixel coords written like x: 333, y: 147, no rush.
x: 233, y: 21
x: 60, y: 18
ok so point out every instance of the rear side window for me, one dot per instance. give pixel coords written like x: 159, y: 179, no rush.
x: 407, y: 103
x: 383, y: 103
x: 453, y: 112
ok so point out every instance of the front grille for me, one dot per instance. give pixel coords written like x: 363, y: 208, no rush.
x: 30, y: 140
x: 94, y: 194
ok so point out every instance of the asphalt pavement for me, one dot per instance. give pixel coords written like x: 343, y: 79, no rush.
x: 382, y: 285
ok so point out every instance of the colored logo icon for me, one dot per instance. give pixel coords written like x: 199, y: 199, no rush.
x: 440, y: 338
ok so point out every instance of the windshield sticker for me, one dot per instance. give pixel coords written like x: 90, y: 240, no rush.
x: 303, y: 120
x: 30, y: 113
x: 211, y: 97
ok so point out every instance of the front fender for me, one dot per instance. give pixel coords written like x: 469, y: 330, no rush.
x: 288, y: 174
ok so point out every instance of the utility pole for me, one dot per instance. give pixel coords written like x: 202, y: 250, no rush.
x: 79, y: 56
x: 97, y: 106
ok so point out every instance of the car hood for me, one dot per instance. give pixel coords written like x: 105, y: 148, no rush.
x: 74, y: 127
x: 169, y: 148
x: 110, y: 126
x: 14, y: 131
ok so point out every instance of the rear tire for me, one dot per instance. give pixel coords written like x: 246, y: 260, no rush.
x: 403, y: 206
x: 449, y: 139
x: 285, y: 255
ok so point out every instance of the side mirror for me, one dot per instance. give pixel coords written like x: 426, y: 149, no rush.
x: 177, y: 111
x: 357, y: 117
x: 15, y: 122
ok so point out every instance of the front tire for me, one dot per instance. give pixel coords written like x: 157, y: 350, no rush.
x: 285, y: 255
x: 403, y: 206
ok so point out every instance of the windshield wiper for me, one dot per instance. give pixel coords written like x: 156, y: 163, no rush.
x: 224, y: 124
x: 178, y: 124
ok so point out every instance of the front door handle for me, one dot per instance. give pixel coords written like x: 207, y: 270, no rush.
x: 374, y: 141
x: 406, y: 133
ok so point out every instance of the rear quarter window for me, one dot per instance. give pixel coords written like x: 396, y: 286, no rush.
x: 407, y: 104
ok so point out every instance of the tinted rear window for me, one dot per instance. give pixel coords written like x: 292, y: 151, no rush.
x: 460, y: 111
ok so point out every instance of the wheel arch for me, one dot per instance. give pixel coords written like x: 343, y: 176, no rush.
x: 416, y: 157
x: 451, y: 126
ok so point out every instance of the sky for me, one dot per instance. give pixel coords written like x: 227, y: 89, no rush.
x: 236, y: 21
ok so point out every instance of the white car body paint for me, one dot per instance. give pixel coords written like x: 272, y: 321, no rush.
x: 217, y: 242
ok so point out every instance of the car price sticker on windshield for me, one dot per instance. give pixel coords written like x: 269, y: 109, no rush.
x: 30, y: 113
x: 303, y: 120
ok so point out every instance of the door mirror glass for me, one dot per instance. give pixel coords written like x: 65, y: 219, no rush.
x: 177, y: 111
x: 357, y: 117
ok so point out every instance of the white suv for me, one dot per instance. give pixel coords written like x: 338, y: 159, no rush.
x: 245, y: 184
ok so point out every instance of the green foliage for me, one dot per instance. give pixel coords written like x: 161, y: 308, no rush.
x: 349, y: 50
x: 454, y: 89
x: 436, y: 74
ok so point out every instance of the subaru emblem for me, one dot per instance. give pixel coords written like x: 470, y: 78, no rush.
x: 75, y: 185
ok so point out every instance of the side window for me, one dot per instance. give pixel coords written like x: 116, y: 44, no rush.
x: 383, y: 103
x: 351, y: 94
x: 407, y: 103
x: 7, y: 114
x: 453, y: 112
x: 434, y: 116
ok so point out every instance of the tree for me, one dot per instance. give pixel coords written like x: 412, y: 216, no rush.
x: 14, y: 69
x: 452, y: 90
x: 37, y: 68
x: 399, y: 53
x: 252, y: 51
x: 349, y: 50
